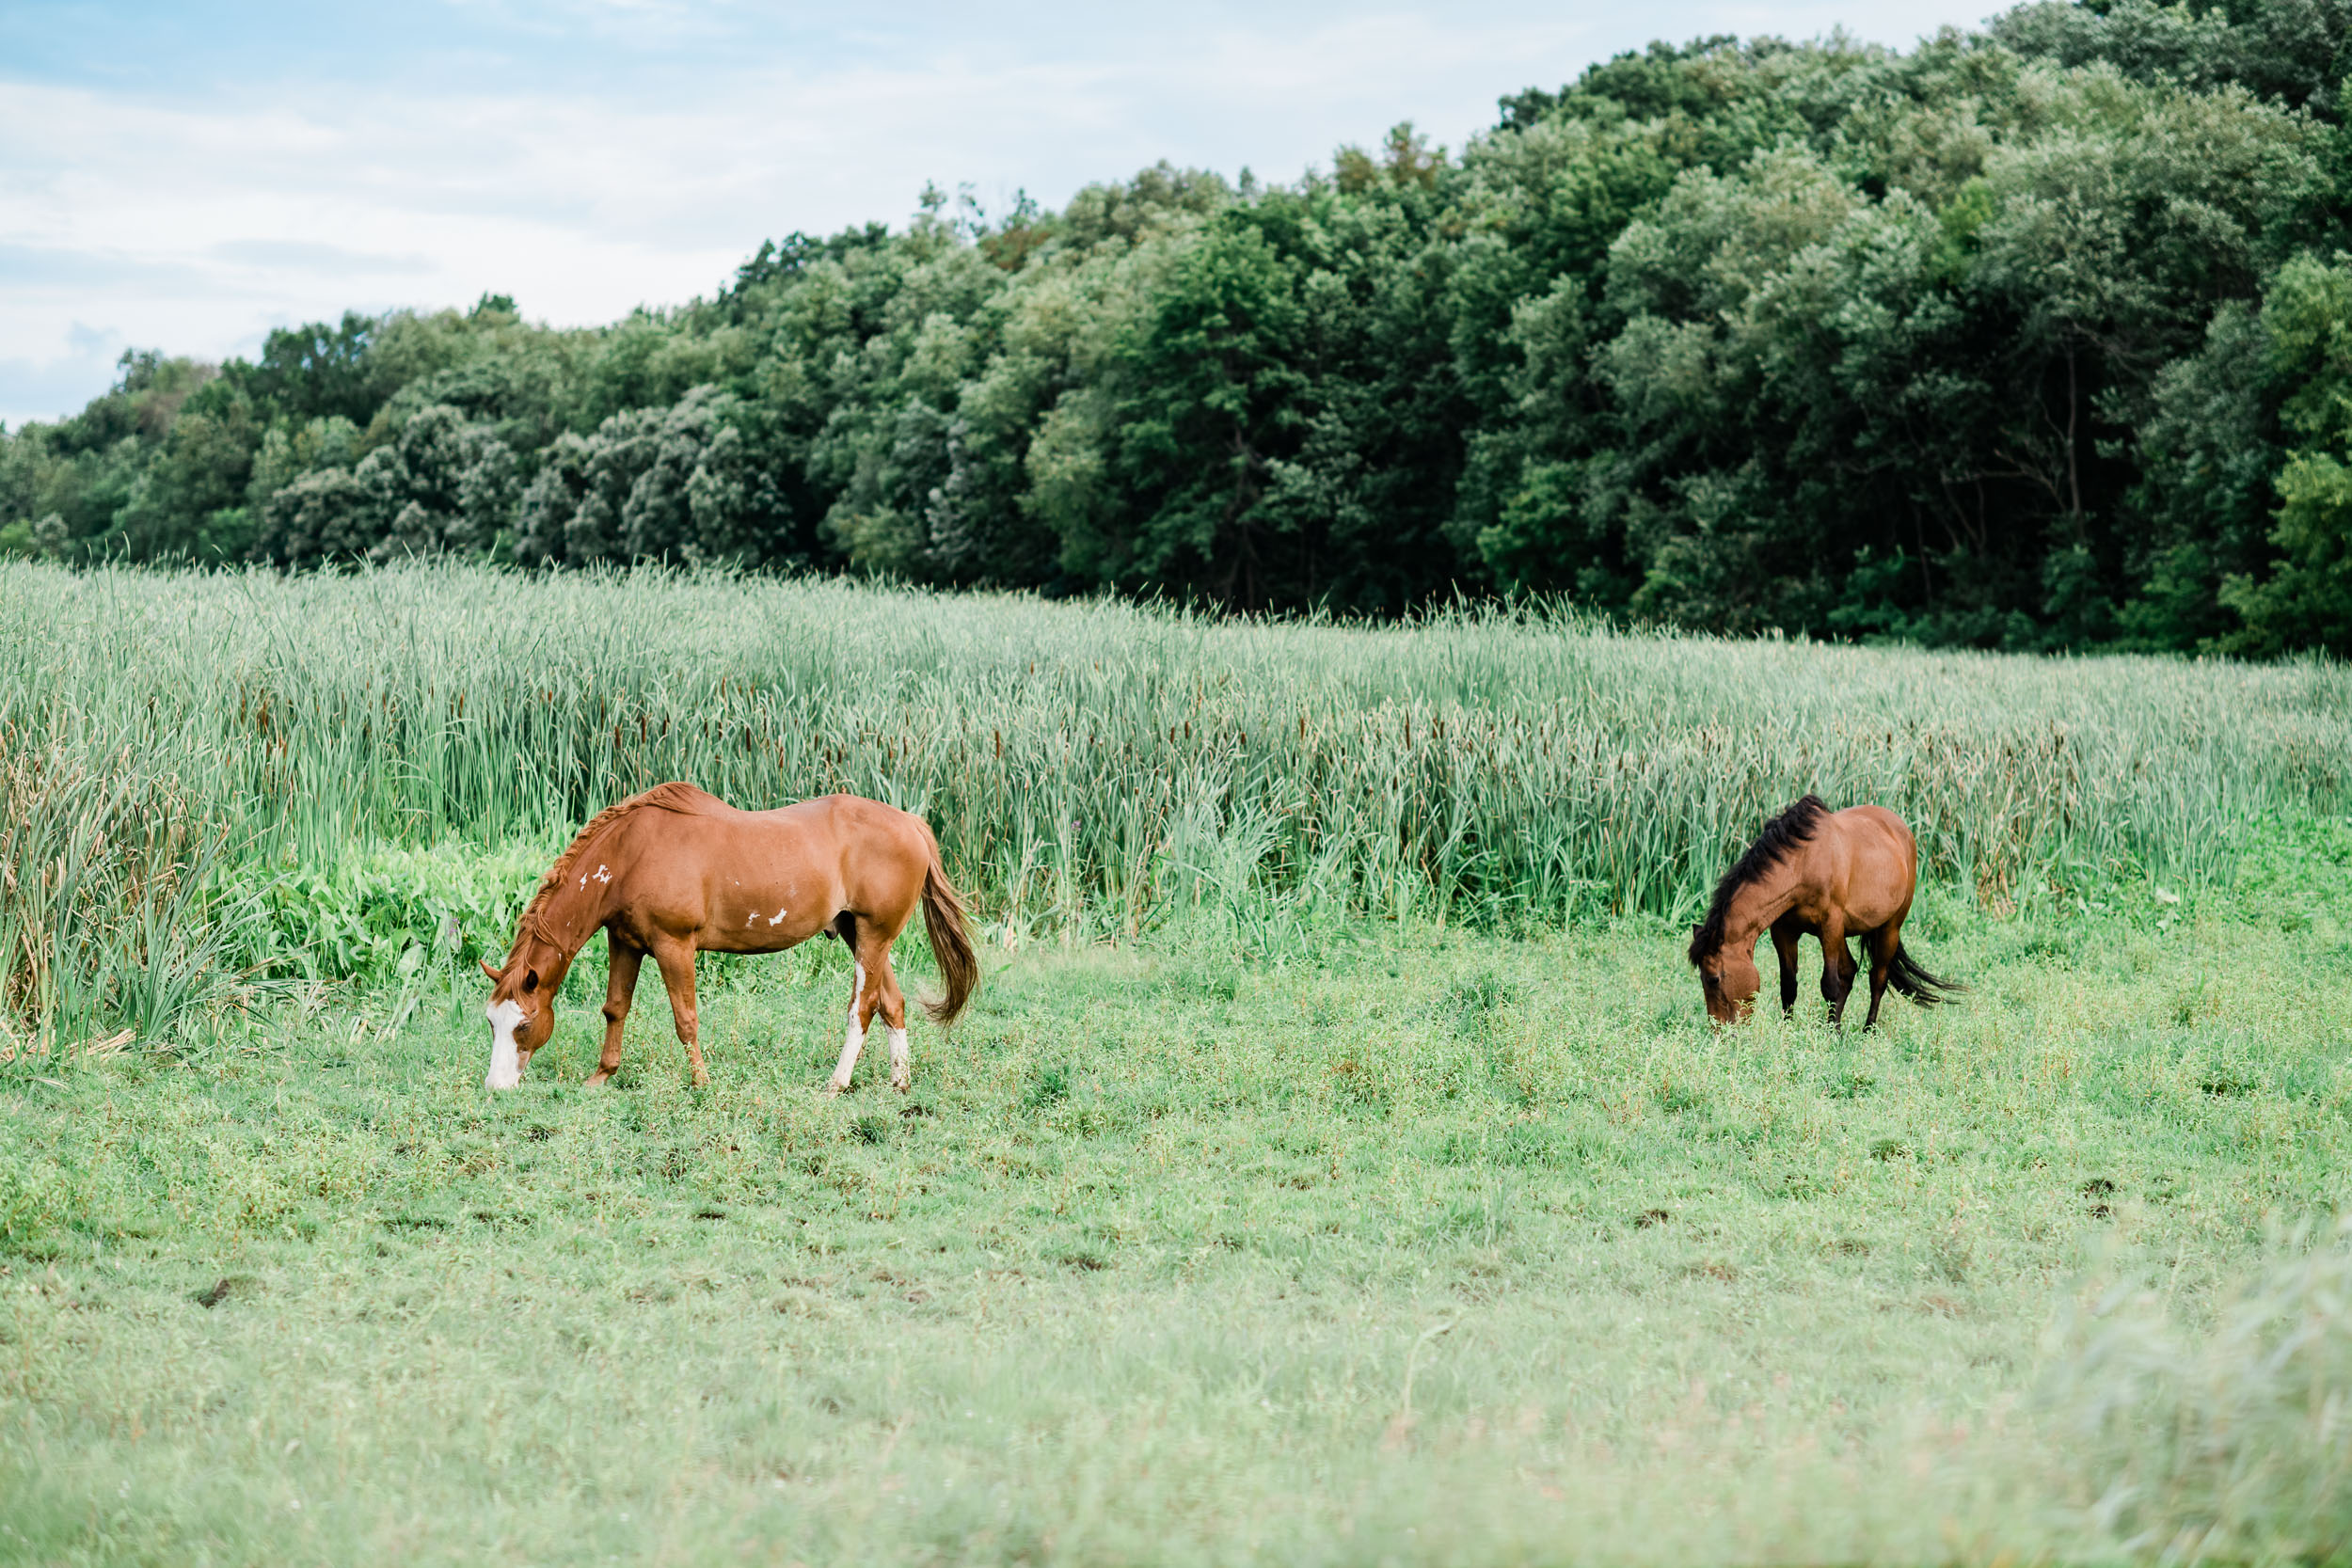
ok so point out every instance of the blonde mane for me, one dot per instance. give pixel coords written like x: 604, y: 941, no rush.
x: 674, y: 795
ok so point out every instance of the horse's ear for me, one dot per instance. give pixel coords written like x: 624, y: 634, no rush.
x: 1694, y: 935
x: 491, y: 973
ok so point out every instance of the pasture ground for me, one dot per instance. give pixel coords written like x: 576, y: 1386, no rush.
x: 1356, y: 1243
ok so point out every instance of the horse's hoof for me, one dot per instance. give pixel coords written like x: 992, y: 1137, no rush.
x: 832, y: 1091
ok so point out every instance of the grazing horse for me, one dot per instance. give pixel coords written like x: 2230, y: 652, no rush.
x: 1822, y: 872
x: 674, y: 871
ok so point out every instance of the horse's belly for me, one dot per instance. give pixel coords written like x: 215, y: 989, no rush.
x: 765, y: 920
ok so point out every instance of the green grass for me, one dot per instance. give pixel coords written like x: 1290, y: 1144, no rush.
x: 171, y: 745
x: 1336, y: 1166
x: 1396, y: 1244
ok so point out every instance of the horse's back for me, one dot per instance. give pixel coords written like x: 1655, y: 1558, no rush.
x: 1881, y: 863
x: 681, y: 798
x: 1880, y: 822
x: 821, y: 826
x: 770, y: 879
x: 869, y: 840
x: 849, y: 819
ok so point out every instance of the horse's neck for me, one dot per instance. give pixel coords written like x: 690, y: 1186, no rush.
x: 1755, y: 908
x: 572, y: 914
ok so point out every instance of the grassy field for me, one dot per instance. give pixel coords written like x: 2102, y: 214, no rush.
x: 1323, y: 1175
x: 1417, y: 1247
x: 170, y: 745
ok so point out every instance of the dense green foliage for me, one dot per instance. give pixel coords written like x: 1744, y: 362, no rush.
x: 1386, y: 1245
x: 2034, y: 337
x: 209, y: 774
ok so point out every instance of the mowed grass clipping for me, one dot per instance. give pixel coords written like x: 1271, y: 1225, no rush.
x: 1408, y: 1245
x: 169, y: 744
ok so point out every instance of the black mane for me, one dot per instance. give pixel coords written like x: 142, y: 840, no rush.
x: 1783, y: 833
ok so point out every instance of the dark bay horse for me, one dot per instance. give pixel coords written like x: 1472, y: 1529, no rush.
x: 1826, y: 874
x: 674, y: 872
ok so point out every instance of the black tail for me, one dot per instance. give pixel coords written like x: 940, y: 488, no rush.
x: 1904, y: 974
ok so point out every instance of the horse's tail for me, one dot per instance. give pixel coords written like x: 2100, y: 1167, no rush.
x: 951, y: 944
x: 1904, y: 974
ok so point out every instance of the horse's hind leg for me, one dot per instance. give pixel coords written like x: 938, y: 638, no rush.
x: 892, y: 1004
x: 878, y: 991
x: 1883, y: 944
x: 676, y: 963
x: 848, y: 928
x: 618, y: 989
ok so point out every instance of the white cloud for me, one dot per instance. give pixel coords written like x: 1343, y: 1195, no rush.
x: 197, y: 224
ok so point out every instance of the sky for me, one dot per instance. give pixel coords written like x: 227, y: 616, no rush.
x: 186, y: 177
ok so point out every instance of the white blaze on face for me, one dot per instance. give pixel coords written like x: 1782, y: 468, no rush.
x: 506, y: 1068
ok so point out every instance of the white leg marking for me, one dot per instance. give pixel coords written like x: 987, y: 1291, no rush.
x: 901, y: 1068
x: 853, y: 1042
x: 505, y: 1068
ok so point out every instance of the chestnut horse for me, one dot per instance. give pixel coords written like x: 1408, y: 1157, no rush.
x: 674, y: 871
x: 1826, y: 874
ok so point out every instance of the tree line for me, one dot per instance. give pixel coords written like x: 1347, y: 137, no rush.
x: 2038, y: 336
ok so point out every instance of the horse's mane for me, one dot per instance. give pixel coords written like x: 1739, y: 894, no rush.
x: 674, y: 795
x: 1782, y: 834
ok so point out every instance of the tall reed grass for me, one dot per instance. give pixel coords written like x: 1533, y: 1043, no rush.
x: 1090, y: 767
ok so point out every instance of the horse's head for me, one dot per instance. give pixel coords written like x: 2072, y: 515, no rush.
x: 521, y: 1010
x: 1727, y: 976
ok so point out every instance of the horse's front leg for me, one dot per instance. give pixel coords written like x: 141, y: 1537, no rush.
x: 1785, y: 934
x: 675, y: 960
x: 618, y: 989
x: 1882, y: 942
x: 1838, y: 969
